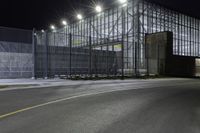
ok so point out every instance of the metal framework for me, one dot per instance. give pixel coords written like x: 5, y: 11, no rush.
x: 111, y: 43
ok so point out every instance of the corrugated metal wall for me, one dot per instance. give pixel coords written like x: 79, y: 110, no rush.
x: 15, y: 53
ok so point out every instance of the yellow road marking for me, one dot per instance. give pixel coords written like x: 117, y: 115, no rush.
x: 41, y: 105
x: 48, y: 103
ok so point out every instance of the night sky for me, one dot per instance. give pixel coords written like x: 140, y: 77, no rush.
x: 40, y: 14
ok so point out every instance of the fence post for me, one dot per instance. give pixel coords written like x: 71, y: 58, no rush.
x: 90, y: 56
x: 107, y: 60
x: 33, y: 54
x: 123, y: 32
x: 138, y: 41
x: 70, y: 54
x: 147, y: 54
x: 46, y: 56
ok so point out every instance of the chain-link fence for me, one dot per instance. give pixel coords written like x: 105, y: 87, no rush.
x: 67, y: 55
x: 109, y: 44
x: 26, y: 54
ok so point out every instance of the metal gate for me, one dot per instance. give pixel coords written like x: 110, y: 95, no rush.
x: 75, y: 56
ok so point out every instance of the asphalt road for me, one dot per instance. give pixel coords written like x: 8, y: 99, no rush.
x: 164, y: 106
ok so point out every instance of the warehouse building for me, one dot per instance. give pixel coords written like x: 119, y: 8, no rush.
x: 135, y: 38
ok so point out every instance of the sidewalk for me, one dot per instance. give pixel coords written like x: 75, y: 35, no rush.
x: 12, y: 84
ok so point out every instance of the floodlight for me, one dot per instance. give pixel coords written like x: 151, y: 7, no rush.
x: 122, y: 1
x: 98, y: 8
x: 52, y: 27
x: 79, y: 16
x: 64, y: 22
